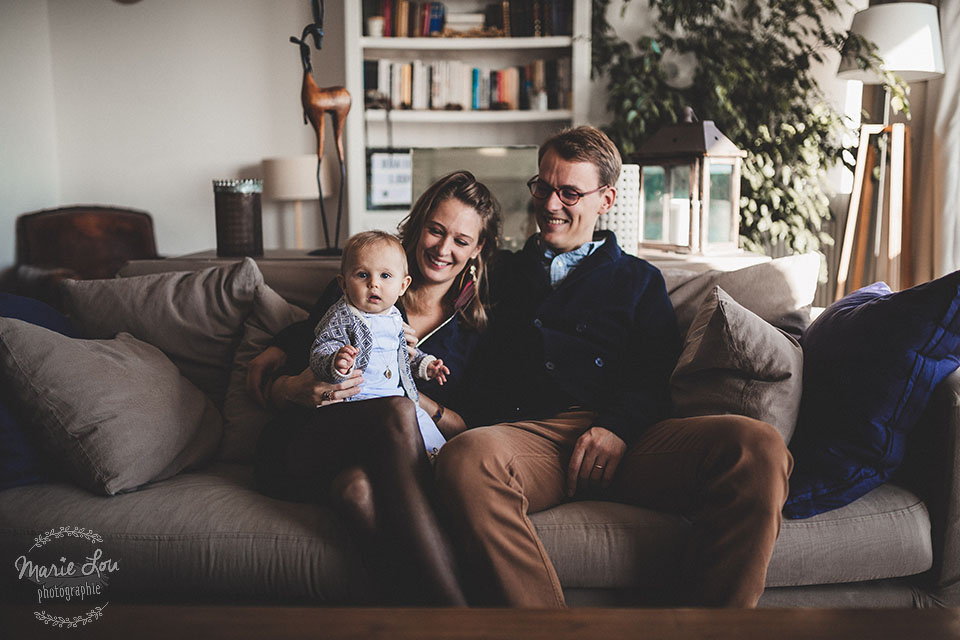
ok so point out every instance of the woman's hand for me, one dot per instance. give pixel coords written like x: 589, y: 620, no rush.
x: 450, y: 422
x: 259, y: 371
x: 410, y: 334
x: 305, y: 390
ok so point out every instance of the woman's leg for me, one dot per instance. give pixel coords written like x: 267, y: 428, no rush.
x: 352, y: 495
x: 381, y: 437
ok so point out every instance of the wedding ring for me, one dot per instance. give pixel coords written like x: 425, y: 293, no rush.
x: 598, y: 466
x: 326, y: 396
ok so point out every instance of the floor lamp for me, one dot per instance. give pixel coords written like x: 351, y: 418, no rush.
x: 907, y: 36
x: 294, y: 179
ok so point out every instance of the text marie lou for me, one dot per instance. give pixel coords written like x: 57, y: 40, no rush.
x: 94, y: 565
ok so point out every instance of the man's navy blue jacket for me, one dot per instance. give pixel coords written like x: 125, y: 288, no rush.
x: 606, y: 340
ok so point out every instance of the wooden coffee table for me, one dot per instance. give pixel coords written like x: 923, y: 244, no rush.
x: 240, y: 623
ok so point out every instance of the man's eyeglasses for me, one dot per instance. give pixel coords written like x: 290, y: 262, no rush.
x: 568, y: 195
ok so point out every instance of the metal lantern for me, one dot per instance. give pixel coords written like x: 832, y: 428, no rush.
x: 689, y: 188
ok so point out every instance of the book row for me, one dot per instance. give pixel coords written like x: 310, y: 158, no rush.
x: 451, y: 84
x: 509, y: 18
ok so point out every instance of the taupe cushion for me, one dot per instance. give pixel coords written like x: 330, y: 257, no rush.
x: 611, y: 545
x: 885, y: 534
x: 206, y: 535
x: 196, y: 318
x: 779, y: 291
x: 232, y: 542
x: 733, y: 361
x: 116, y: 412
x: 243, y: 417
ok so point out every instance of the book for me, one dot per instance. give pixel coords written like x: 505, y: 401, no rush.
x: 388, y: 18
x: 371, y: 78
x: 402, y: 22
x: 437, y: 16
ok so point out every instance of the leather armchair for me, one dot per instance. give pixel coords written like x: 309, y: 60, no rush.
x: 81, y: 242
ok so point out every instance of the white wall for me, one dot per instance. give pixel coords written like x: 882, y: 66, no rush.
x: 143, y: 105
x: 29, y: 172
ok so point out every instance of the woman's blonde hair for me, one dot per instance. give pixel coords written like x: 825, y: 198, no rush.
x: 464, y: 187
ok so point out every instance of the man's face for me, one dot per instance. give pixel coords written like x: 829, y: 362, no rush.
x: 566, y: 227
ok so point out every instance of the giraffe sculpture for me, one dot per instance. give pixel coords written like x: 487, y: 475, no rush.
x: 317, y: 103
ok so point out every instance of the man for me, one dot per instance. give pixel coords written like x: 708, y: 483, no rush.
x: 575, y: 369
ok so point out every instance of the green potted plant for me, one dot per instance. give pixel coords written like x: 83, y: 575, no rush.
x: 746, y: 65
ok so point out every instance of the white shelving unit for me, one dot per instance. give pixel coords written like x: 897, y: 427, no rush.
x: 369, y: 128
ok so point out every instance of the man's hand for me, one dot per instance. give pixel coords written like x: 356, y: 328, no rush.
x: 344, y: 358
x: 259, y: 370
x: 436, y: 371
x: 595, y: 458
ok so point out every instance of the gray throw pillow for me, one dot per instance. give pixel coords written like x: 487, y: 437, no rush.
x: 117, y: 412
x: 779, y: 291
x: 195, y: 318
x: 243, y: 417
x: 733, y: 361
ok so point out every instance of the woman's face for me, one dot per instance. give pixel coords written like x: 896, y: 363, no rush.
x: 450, y: 237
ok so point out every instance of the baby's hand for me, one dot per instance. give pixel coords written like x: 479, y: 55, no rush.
x: 344, y: 358
x: 436, y: 371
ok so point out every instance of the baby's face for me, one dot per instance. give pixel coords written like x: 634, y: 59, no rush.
x: 375, y: 278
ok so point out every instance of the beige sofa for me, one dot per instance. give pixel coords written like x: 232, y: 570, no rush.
x: 205, y: 533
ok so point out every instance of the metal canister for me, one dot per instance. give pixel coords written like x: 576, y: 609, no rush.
x: 239, y: 219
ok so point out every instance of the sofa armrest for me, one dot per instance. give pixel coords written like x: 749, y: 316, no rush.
x: 933, y: 461
x: 42, y: 283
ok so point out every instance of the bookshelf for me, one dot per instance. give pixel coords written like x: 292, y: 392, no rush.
x: 404, y: 128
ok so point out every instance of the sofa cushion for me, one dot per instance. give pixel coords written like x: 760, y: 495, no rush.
x: 871, y: 361
x: 232, y: 542
x: 610, y: 545
x: 116, y: 412
x: 733, y: 361
x: 779, y: 291
x: 885, y: 534
x: 21, y: 461
x: 206, y: 535
x: 196, y: 318
x: 243, y: 417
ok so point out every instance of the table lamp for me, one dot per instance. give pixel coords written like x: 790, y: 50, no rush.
x: 907, y: 37
x: 294, y: 179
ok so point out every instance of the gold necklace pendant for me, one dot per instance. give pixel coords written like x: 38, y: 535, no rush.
x: 388, y: 373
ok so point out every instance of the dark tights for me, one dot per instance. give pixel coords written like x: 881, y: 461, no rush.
x: 369, y: 457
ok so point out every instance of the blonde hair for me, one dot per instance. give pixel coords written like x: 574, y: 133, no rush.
x: 462, y: 186
x: 360, y: 241
x: 586, y: 144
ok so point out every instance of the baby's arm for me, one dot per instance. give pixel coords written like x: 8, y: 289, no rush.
x: 437, y: 371
x: 427, y: 367
x: 344, y: 358
x: 327, y: 347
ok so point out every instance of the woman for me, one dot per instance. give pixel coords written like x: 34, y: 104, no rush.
x: 372, y: 462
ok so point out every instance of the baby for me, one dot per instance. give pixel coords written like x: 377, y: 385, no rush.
x: 364, y: 329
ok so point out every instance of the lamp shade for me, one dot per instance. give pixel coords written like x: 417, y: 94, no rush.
x: 907, y: 35
x: 294, y: 178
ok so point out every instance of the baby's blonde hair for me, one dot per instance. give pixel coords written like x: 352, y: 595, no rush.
x: 360, y: 241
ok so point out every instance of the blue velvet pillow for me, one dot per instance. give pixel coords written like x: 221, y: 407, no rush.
x: 21, y: 460
x: 870, y: 363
